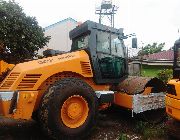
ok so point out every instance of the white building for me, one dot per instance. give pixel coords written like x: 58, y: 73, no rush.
x: 59, y: 33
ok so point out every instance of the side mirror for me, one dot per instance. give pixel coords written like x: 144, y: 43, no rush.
x: 134, y: 43
x: 121, y: 37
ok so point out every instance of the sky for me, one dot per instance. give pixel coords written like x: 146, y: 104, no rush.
x: 151, y: 20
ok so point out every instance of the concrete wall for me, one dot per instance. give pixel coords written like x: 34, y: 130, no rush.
x: 59, y: 33
x: 134, y: 69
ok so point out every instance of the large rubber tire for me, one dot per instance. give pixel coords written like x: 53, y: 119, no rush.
x: 50, y: 109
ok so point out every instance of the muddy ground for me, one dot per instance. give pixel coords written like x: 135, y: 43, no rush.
x: 112, y: 125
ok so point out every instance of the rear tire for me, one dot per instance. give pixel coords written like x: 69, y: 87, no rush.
x: 58, y: 98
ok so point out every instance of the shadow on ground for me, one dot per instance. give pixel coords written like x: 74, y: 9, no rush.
x: 113, y: 124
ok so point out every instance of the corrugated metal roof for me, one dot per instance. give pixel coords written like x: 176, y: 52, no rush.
x: 60, y: 22
x: 164, y: 55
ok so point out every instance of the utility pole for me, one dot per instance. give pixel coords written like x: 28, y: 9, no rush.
x: 141, y: 59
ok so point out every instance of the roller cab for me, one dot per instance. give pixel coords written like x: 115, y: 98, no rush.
x: 97, y: 56
x: 66, y: 91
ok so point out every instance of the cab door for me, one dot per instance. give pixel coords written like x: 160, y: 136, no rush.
x: 110, y: 55
x: 118, y: 53
x: 105, y: 60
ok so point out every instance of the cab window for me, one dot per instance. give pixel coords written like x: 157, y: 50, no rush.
x: 117, y: 46
x: 80, y: 42
x: 103, y: 42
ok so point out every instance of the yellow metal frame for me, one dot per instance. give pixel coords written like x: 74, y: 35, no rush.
x: 51, y: 69
x: 25, y: 105
x: 176, y: 83
x: 173, y: 101
x: 173, y: 107
x: 123, y: 100
x: 4, y: 66
x: 69, y: 62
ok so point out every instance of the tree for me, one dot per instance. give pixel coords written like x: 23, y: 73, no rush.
x: 150, y: 49
x: 20, y: 35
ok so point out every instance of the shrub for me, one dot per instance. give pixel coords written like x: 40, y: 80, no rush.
x: 140, y: 126
x: 123, y: 137
x: 165, y: 75
x: 150, y: 131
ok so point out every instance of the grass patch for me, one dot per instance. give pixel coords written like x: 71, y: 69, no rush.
x: 153, y: 133
x: 149, y: 131
x: 123, y: 136
x: 152, y: 71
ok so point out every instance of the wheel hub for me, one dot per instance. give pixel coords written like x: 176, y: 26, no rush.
x: 74, y: 111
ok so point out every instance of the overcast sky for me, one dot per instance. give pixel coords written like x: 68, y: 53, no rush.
x: 151, y: 20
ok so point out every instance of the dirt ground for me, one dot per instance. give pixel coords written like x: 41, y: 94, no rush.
x: 112, y: 125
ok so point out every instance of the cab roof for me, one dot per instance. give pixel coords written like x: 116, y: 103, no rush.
x: 88, y: 26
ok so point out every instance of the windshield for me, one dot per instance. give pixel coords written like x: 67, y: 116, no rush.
x: 178, y: 57
x: 80, y: 42
x: 110, y: 44
x: 117, y: 46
